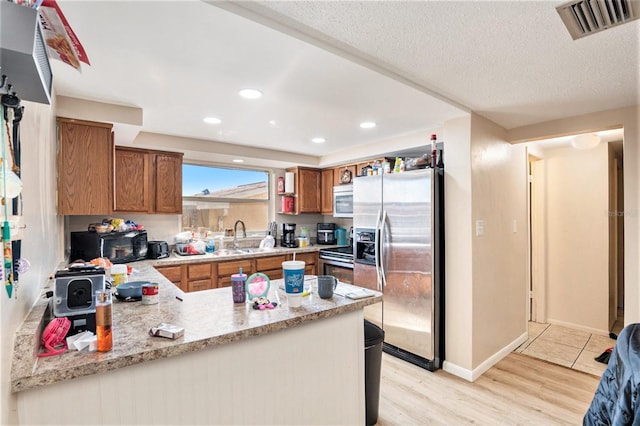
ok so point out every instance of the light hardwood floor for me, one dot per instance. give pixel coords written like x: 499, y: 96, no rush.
x: 518, y: 390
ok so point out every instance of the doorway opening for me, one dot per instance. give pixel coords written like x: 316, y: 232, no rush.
x: 576, y: 250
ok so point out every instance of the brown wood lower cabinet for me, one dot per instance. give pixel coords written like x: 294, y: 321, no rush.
x: 201, y: 276
x: 271, y: 266
x: 174, y: 274
x: 310, y: 262
x: 207, y: 275
x: 230, y: 267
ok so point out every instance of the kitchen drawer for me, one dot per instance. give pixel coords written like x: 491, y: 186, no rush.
x: 198, y: 285
x: 309, y: 258
x: 267, y: 263
x: 224, y: 281
x: 172, y: 273
x: 199, y: 270
x: 310, y: 269
x: 233, y: 267
x: 273, y: 274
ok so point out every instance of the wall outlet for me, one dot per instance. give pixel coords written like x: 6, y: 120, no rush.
x: 479, y: 228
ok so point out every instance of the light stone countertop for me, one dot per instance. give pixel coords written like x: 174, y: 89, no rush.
x: 209, y: 318
x: 234, y: 254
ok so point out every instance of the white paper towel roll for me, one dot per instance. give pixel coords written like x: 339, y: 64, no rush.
x: 288, y: 183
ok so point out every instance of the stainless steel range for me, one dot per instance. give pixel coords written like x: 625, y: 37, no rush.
x: 337, y: 261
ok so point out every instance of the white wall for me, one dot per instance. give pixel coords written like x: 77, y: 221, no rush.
x: 500, y: 256
x: 485, y: 275
x: 42, y: 244
x: 458, y: 253
x: 576, y: 239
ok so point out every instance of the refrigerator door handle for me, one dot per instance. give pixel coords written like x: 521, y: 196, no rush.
x: 380, y: 255
x: 376, y: 246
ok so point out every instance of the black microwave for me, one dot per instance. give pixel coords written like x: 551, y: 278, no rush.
x: 118, y: 247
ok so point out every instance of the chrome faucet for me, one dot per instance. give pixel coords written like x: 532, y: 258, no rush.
x: 235, y: 233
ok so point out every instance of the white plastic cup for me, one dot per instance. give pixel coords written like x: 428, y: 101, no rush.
x: 293, y: 272
x: 295, y: 300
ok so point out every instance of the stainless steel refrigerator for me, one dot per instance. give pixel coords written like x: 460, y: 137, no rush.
x: 399, y: 249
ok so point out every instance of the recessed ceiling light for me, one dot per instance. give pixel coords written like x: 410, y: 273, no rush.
x: 238, y: 160
x: 318, y: 140
x: 368, y: 125
x: 273, y: 123
x: 250, y: 93
x: 212, y: 120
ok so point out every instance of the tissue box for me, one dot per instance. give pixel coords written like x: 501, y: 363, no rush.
x: 167, y: 330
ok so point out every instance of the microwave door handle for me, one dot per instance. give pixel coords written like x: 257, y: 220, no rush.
x: 101, y: 247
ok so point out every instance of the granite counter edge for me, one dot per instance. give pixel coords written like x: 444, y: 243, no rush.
x: 26, y: 380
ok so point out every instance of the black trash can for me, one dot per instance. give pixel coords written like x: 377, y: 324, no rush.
x: 373, y: 338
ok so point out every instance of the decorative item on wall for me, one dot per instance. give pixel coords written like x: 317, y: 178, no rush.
x: 345, y: 176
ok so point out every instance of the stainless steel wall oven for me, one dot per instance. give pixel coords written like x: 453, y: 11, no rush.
x: 337, y: 261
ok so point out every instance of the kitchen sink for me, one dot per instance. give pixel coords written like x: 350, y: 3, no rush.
x: 228, y: 252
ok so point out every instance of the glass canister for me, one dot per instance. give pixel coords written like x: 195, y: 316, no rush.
x: 238, y: 282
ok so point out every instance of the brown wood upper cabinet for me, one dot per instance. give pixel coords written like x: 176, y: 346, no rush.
x: 327, y: 191
x: 85, y: 167
x: 147, y: 181
x: 307, y: 188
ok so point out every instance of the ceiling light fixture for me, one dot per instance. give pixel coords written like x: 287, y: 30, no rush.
x: 273, y: 123
x: 368, y: 125
x: 318, y: 140
x: 250, y: 93
x: 585, y: 141
x: 212, y: 120
x: 238, y: 160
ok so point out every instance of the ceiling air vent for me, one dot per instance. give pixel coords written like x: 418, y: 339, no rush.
x: 585, y: 17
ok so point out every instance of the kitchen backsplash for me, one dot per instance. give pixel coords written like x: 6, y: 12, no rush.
x: 159, y: 227
x: 165, y: 227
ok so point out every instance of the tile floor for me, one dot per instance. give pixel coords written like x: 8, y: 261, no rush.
x: 568, y: 347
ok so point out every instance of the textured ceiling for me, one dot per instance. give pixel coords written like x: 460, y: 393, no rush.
x: 326, y: 66
x: 510, y: 61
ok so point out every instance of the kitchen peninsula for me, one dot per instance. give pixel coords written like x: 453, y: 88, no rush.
x: 234, y: 364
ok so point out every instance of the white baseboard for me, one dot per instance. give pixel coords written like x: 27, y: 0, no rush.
x: 579, y: 327
x: 472, y: 375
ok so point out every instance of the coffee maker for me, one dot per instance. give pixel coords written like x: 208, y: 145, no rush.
x: 288, y: 235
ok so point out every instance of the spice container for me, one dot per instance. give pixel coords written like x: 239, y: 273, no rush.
x: 103, y: 320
